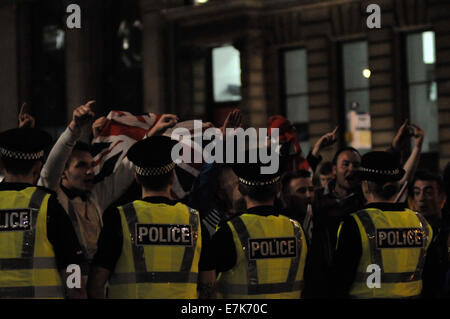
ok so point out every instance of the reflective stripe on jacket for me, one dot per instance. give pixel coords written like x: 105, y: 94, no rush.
x: 271, y: 253
x: 27, y: 260
x: 397, y: 243
x: 155, y: 263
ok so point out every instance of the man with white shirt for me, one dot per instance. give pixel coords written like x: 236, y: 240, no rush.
x: 69, y: 171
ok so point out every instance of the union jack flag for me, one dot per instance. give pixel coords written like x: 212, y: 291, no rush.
x: 122, y: 130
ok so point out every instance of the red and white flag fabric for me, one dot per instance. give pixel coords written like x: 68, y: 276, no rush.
x: 122, y: 130
x: 288, y: 136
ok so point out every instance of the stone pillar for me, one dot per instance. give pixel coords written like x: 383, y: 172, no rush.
x: 153, y: 56
x: 84, y: 52
x: 443, y: 82
x: 253, y: 104
x: 9, y: 103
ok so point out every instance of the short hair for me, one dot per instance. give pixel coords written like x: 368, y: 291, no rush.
x: 259, y: 193
x: 326, y: 168
x: 385, y: 190
x: 429, y: 177
x: 18, y: 167
x: 289, y: 176
x: 347, y: 148
x: 155, y: 183
x: 81, y: 147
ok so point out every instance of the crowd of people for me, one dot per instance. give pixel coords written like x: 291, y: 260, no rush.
x: 358, y: 226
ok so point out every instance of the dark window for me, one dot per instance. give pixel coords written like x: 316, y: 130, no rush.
x: 48, y: 87
x: 422, y: 87
x: 295, y: 93
x: 422, y: 94
x: 355, y: 83
x: 123, y: 56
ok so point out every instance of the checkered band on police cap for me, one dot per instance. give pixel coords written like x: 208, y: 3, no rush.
x: 259, y: 183
x: 21, y: 155
x: 154, y: 171
x: 378, y: 171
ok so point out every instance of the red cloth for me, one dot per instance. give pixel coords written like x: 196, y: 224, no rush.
x: 288, y: 134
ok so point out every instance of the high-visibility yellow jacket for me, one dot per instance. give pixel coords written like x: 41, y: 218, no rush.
x: 271, y: 253
x: 395, y: 244
x: 27, y: 260
x: 160, y: 252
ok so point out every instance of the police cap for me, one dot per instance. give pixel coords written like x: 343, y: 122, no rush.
x: 380, y: 166
x: 26, y: 144
x: 250, y: 173
x: 152, y: 156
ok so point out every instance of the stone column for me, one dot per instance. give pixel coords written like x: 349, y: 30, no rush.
x: 84, y: 59
x: 253, y: 102
x: 8, y: 66
x: 153, y: 55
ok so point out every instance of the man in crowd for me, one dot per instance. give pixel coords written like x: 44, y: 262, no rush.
x: 153, y: 247
x: 341, y: 197
x: 326, y: 174
x: 69, y: 170
x: 429, y: 198
x: 37, y: 239
x: 298, y: 195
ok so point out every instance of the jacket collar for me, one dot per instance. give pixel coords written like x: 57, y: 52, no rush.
x: 391, y: 207
x: 262, y: 211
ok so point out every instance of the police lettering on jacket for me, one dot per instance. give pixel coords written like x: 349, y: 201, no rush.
x: 15, y: 219
x: 400, y: 237
x: 163, y: 234
x: 272, y: 248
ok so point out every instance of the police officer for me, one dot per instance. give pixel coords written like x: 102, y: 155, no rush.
x: 260, y: 253
x: 150, y: 248
x: 37, y: 240
x: 382, y: 248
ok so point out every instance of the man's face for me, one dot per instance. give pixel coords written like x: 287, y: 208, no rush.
x: 79, y: 175
x: 302, y: 189
x: 324, y: 179
x: 347, y: 163
x: 427, y: 198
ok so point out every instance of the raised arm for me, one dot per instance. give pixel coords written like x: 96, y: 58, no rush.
x: 54, y: 166
x: 412, y: 163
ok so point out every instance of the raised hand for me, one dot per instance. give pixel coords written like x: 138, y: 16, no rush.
x: 165, y: 122
x: 324, y: 141
x: 25, y: 119
x: 233, y: 120
x: 82, y: 116
x: 401, y: 137
x: 418, y: 135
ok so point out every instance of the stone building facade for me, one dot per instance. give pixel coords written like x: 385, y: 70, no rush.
x: 174, y: 72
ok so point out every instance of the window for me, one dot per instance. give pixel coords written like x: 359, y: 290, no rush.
x: 422, y: 87
x: 356, y: 74
x: 226, y: 66
x: 123, y: 56
x: 295, y: 93
x: 48, y: 66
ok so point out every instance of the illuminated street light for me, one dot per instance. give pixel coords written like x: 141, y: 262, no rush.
x: 366, y: 73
